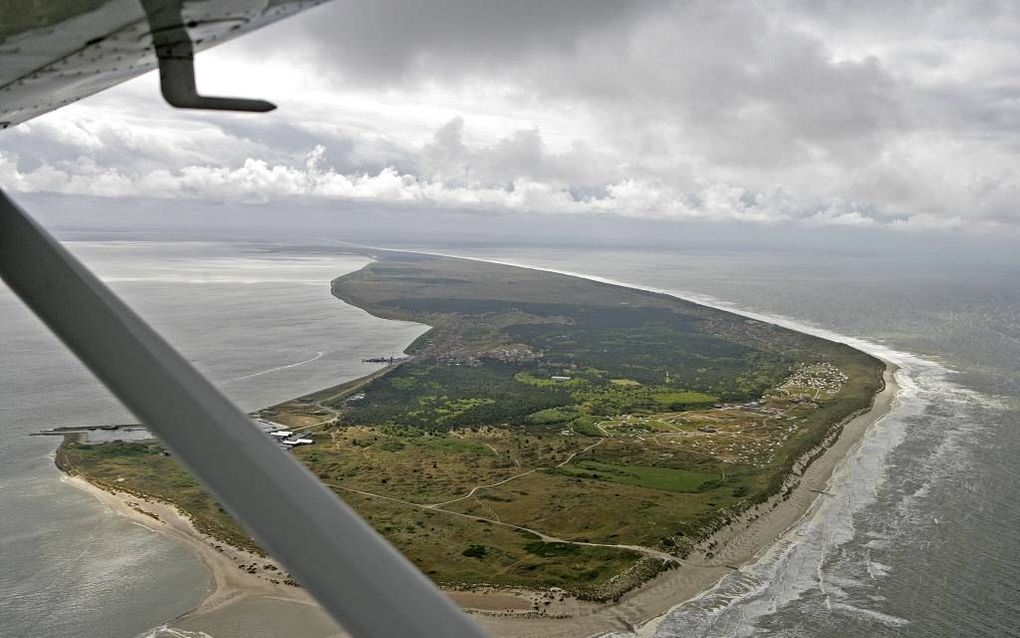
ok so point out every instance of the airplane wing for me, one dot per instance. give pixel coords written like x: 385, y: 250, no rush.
x: 53, y: 53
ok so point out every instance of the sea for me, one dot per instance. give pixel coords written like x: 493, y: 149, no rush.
x: 259, y: 321
x: 921, y: 536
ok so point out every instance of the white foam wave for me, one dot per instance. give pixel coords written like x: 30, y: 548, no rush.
x: 877, y: 569
x: 797, y: 564
x: 870, y: 614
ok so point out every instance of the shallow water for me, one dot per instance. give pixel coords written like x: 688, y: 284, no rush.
x: 255, y: 619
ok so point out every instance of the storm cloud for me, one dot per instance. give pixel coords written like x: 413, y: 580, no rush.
x: 889, y: 115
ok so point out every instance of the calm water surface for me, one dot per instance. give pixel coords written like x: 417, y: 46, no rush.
x: 262, y: 324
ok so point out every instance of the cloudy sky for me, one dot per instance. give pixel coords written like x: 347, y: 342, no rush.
x: 892, y: 115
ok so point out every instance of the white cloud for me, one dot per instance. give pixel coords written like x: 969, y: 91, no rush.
x: 857, y: 114
x: 256, y: 180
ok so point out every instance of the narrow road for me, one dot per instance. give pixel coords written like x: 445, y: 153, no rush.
x: 358, y: 384
x: 438, y: 507
x: 479, y: 487
x: 515, y: 476
x: 573, y: 454
x: 647, y: 551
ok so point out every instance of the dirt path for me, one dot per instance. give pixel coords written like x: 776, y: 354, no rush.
x: 573, y: 454
x: 648, y: 551
x: 507, y: 480
x: 481, y: 487
x: 739, y: 543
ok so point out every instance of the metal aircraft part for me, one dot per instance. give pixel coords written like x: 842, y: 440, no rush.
x: 176, y: 54
x: 55, y: 52
x: 354, y: 573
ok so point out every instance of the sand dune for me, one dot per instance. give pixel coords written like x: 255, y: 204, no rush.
x: 242, y: 591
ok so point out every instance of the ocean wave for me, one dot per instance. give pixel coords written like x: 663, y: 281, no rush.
x: 825, y: 563
x: 870, y: 614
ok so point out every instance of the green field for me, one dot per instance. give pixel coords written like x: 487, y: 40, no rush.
x: 586, y: 412
x: 659, y: 478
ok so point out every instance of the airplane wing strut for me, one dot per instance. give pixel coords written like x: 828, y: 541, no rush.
x: 369, y: 587
x: 176, y: 54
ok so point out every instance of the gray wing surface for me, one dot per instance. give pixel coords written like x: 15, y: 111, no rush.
x: 55, y: 52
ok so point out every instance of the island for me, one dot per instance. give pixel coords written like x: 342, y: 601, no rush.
x: 552, y: 444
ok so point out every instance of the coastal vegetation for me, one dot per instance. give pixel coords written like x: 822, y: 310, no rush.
x: 547, y: 431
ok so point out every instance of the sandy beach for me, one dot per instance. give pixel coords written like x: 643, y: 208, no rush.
x: 248, y: 590
x: 235, y: 575
x: 736, y: 545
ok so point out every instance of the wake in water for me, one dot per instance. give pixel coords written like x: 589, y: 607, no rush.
x: 318, y: 355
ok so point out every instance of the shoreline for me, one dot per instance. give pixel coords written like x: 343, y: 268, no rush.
x: 239, y: 576
x: 740, y: 543
x: 229, y: 580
